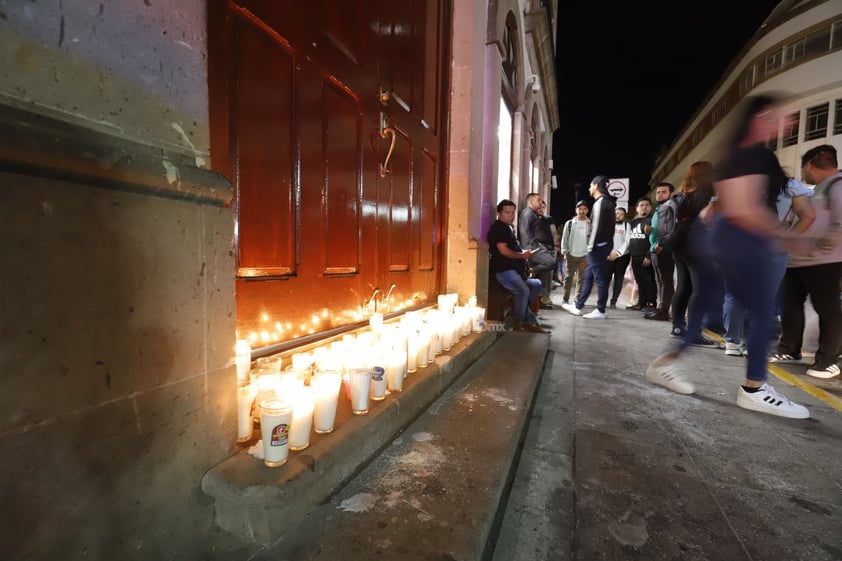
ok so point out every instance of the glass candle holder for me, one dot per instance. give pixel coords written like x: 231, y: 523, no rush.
x: 245, y: 401
x: 275, y: 421
x: 242, y: 358
x: 378, y: 381
x: 395, y: 371
x: 359, y: 381
x: 326, y: 384
x: 302, y: 418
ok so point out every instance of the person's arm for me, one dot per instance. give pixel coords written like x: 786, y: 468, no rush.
x: 624, y: 245
x: 653, y: 234
x: 526, y: 227
x: 565, y: 238
x: 833, y: 237
x: 740, y: 200
x: 597, y: 210
x: 504, y: 250
x: 803, y: 208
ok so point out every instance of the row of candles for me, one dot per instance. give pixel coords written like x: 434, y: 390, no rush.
x: 289, y: 403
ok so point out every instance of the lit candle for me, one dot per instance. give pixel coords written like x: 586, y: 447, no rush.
x: 378, y: 380
x: 302, y: 418
x: 413, y: 348
x: 326, y: 384
x: 359, y: 380
x: 242, y: 357
x: 472, y: 301
x: 479, y: 319
x: 275, y: 419
x: 376, y: 324
x: 396, y: 365
x: 245, y: 400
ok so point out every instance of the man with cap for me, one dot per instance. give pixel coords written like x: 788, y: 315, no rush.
x: 574, y: 248
x: 600, y: 244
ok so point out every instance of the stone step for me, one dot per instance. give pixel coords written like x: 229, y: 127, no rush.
x: 258, y: 504
x: 439, y: 489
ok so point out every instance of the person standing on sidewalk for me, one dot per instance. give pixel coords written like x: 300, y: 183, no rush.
x: 662, y: 261
x: 619, y: 257
x: 644, y: 274
x: 748, y: 238
x: 600, y: 244
x: 816, y: 271
x: 574, y: 248
x: 507, y: 260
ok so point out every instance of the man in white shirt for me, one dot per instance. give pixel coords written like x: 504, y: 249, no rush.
x: 574, y: 247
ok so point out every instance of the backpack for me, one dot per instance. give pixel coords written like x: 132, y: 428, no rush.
x: 674, y: 218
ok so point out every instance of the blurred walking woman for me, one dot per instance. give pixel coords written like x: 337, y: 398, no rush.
x: 750, y: 241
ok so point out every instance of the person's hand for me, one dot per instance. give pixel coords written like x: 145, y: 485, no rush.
x: 657, y: 248
x: 528, y: 253
x: 647, y: 228
x: 614, y: 255
x: 646, y: 262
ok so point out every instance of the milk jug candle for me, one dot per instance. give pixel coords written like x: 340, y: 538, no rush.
x: 326, y: 384
x: 302, y: 418
x: 275, y: 420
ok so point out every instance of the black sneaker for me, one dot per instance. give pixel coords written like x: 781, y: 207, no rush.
x: 702, y: 341
x: 678, y: 332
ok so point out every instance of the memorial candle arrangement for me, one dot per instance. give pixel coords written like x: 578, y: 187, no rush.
x: 302, y: 418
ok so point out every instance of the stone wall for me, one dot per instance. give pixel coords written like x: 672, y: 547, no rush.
x: 117, y: 295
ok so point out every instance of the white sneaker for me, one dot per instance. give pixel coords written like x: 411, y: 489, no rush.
x: 825, y: 373
x: 735, y: 349
x: 668, y: 373
x: 572, y: 309
x: 595, y: 314
x: 767, y: 400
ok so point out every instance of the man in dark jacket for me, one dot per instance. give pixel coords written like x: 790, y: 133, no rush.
x: 600, y: 244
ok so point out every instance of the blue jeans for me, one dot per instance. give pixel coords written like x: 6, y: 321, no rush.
x: 734, y: 312
x: 597, y: 270
x: 524, y: 292
x: 751, y: 267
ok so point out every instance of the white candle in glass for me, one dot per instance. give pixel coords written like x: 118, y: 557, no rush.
x: 302, y: 418
x: 375, y: 322
x: 395, y: 370
x: 413, y: 347
x: 472, y: 301
x: 326, y: 384
x: 378, y: 380
x: 359, y: 380
x: 275, y: 419
x: 479, y: 319
x: 446, y: 333
x: 245, y: 401
x: 242, y: 358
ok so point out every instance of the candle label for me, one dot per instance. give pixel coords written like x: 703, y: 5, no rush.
x: 280, y: 435
x: 377, y: 373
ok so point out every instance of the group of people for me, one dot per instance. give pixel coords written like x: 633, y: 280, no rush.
x: 751, y: 244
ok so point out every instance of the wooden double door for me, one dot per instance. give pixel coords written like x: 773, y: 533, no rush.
x: 328, y: 116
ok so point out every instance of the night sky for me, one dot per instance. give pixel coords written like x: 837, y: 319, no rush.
x: 630, y: 78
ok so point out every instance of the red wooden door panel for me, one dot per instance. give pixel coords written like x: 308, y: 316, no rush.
x: 295, y: 121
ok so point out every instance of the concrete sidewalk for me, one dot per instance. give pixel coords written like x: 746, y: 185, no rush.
x: 617, y: 468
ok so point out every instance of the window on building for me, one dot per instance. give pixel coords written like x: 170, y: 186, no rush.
x: 836, y: 35
x: 793, y: 52
x: 773, y: 63
x: 816, y: 125
x: 817, y: 42
x: 748, y: 80
x: 504, y: 157
x: 837, y: 119
x: 791, y: 128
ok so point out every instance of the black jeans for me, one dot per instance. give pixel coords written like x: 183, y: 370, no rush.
x: 647, y: 291
x: 618, y: 273
x: 821, y: 283
x: 664, y: 266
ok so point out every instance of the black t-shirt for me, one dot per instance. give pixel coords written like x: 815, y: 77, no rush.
x: 502, y: 232
x: 638, y: 238
x: 755, y: 160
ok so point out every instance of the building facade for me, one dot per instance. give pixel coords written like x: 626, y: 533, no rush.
x: 797, y: 53
x: 178, y: 176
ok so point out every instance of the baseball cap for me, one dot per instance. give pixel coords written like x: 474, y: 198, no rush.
x: 582, y: 203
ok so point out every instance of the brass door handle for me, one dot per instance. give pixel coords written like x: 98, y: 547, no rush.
x: 384, y: 167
